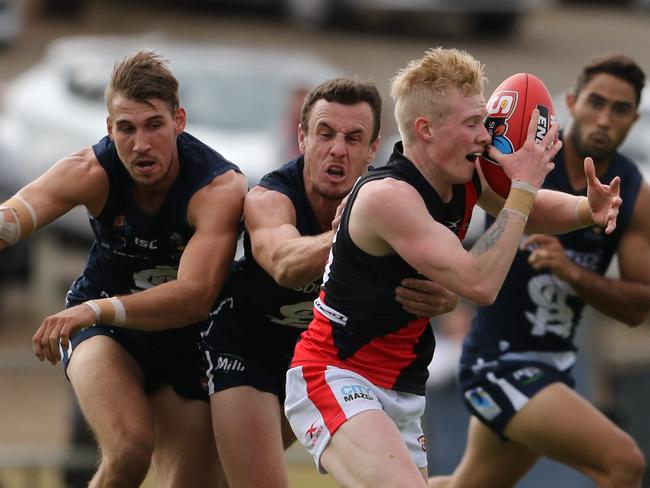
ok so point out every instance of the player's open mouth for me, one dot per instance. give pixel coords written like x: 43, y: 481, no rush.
x: 335, y: 172
x: 145, y: 167
x: 472, y: 157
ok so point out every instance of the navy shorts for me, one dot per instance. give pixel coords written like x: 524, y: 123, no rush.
x: 167, y: 357
x: 241, y: 353
x: 497, y: 390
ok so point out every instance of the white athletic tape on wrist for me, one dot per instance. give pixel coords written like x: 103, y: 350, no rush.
x: 523, y: 186
x: 120, y: 312
x: 108, y: 310
x: 520, y: 199
x: 96, y: 308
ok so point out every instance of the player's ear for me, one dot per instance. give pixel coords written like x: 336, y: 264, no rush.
x: 180, y: 119
x: 301, y: 139
x: 373, y: 149
x: 109, y: 127
x: 570, y: 99
x: 423, y: 128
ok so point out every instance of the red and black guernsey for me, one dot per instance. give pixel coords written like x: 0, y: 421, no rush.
x: 357, y: 323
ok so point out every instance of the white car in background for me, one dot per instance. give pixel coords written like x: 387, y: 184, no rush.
x: 240, y: 101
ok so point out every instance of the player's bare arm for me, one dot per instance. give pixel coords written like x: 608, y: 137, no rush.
x: 389, y: 216
x: 215, y: 211
x: 77, y: 179
x: 291, y: 259
x: 556, y: 212
x: 626, y: 298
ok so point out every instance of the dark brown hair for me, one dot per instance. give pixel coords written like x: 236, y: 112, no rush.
x: 618, y: 65
x: 347, y: 91
x: 141, y: 77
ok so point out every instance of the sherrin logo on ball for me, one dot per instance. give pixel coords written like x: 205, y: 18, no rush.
x: 508, y: 113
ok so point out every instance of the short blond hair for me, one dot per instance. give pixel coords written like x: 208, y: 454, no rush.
x: 420, y: 89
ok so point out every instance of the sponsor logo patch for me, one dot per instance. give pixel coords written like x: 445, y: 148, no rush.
x: 356, y: 392
x: 483, y: 403
x: 229, y: 362
x: 527, y: 375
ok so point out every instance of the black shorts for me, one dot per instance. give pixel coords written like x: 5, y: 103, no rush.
x: 240, y: 353
x: 167, y: 357
x: 497, y: 390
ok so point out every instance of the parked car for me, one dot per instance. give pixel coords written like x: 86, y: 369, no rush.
x: 479, y: 16
x: 239, y: 101
x: 10, y: 21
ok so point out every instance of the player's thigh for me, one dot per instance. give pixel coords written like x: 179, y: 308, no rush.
x: 490, y: 460
x: 288, y: 437
x: 247, y: 426
x: 109, y: 385
x: 560, y: 424
x: 241, y: 410
x: 368, y: 450
x: 185, y: 453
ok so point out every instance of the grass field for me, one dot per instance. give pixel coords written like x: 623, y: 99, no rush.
x: 300, y: 476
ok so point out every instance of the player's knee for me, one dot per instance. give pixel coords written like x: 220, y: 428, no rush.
x: 626, y: 467
x: 129, y: 460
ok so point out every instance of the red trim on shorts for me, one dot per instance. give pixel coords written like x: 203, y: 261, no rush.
x: 381, y: 361
x: 321, y: 395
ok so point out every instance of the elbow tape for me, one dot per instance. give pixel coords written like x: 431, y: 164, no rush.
x: 17, y: 219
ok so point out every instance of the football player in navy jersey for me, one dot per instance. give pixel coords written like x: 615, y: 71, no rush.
x: 165, y: 211
x: 517, y: 358
x: 268, y: 299
x: 355, y: 390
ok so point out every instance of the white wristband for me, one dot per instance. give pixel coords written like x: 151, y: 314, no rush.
x: 96, y: 308
x: 120, y: 312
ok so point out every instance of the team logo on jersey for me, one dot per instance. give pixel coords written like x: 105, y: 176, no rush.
x: 483, y: 403
x: 176, y: 242
x: 148, y: 278
x: 423, y: 443
x: 295, y: 315
x: 312, y: 433
x: 356, y: 392
x: 120, y: 224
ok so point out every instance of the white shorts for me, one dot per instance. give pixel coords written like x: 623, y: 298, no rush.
x: 321, y: 398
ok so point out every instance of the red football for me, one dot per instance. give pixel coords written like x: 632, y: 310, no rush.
x: 508, y: 115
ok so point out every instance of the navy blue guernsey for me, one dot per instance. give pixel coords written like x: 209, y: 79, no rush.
x: 134, y: 250
x: 269, y: 313
x: 358, y: 325
x: 536, y: 314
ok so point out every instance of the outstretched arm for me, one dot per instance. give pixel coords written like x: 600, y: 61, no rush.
x: 556, y: 212
x: 77, y: 179
x: 215, y: 211
x: 627, y: 298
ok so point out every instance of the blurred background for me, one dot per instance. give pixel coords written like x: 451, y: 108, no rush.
x: 244, y: 68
